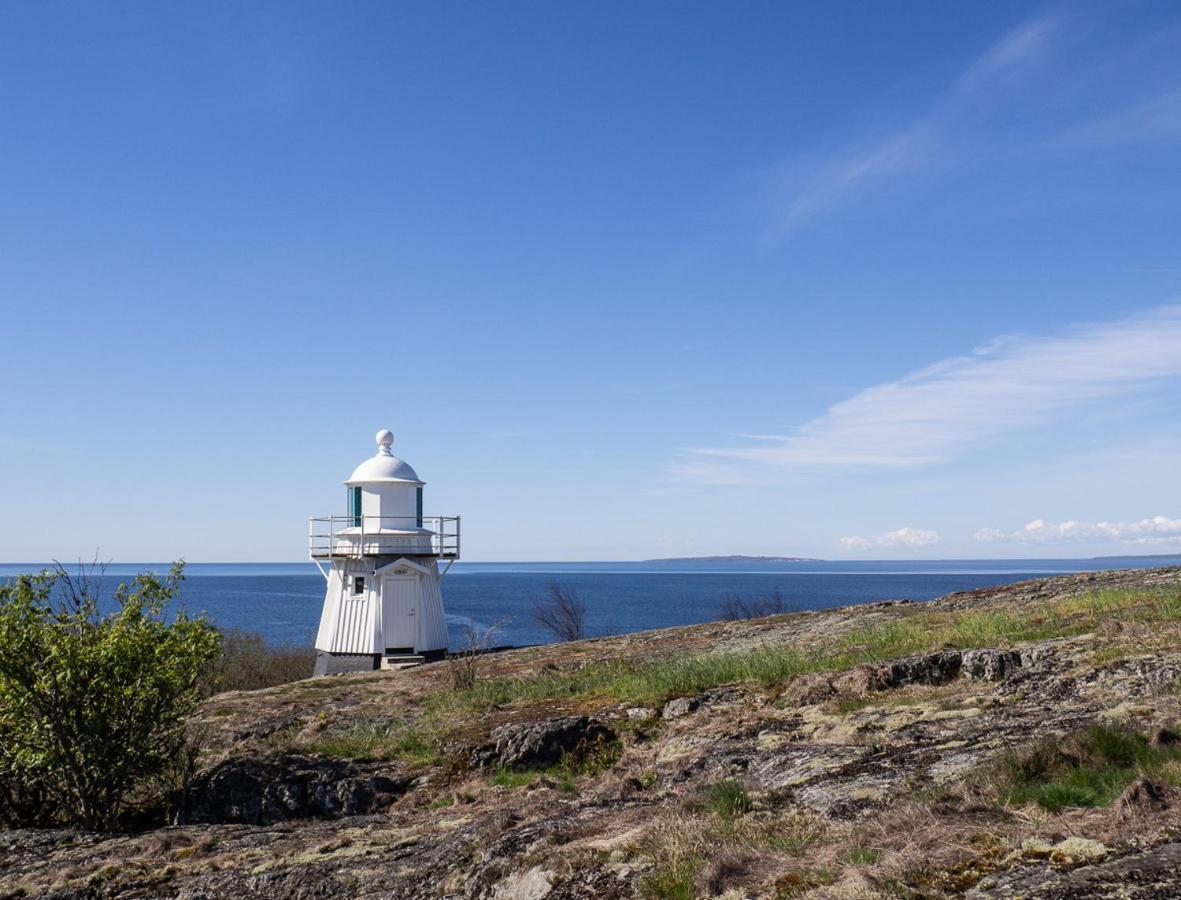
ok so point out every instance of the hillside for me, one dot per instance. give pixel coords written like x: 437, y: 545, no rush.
x: 1015, y: 741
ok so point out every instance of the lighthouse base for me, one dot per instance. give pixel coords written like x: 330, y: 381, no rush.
x: 345, y: 663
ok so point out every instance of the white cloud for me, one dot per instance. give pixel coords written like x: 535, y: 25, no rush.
x: 1156, y: 119
x: 1154, y: 530
x: 920, y: 142
x: 903, y: 537
x: 938, y: 412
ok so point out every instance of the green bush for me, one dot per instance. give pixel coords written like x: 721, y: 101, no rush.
x: 93, y: 704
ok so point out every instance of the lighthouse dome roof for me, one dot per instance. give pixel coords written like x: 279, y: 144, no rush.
x: 384, y: 466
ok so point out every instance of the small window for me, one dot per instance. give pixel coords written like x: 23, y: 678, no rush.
x: 419, y: 507
x: 355, y: 506
x: 358, y: 584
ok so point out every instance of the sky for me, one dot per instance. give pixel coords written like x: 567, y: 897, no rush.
x: 841, y: 280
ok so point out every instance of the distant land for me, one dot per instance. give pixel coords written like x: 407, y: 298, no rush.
x: 1141, y: 556
x: 733, y: 559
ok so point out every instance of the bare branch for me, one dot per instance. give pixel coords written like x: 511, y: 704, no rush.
x: 561, y: 612
x: 735, y: 606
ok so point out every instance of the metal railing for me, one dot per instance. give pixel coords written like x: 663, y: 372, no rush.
x: 330, y: 536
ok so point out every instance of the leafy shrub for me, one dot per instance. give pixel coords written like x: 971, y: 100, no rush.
x: 249, y: 663
x: 92, y: 705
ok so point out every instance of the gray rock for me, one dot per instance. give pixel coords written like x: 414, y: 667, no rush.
x: 989, y: 665
x: 525, y: 745
x: 925, y: 668
x: 531, y: 885
x: 679, y: 707
x: 256, y: 791
x: 1149, y: 873
x: 640, y: 713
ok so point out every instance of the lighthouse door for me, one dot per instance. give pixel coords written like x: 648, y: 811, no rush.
x: 399, y: 612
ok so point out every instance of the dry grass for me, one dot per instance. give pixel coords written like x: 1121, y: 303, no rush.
x: 652, y: 681
x: 716, y: 841
x: 376, y: 740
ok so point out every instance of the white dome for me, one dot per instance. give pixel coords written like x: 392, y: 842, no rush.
x: 384, y: 466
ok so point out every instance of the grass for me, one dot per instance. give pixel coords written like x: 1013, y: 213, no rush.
x: 376, y: 741
x: 721, y: 827
x: 1087, y: 769
x: 727, y: 799
x: 584, y: 760
x: 861, y: 856
x: 515, y: 778
x: 674, y: 880
x: 652, y: 681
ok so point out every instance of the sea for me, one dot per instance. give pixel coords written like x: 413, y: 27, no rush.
x: 282, y: 601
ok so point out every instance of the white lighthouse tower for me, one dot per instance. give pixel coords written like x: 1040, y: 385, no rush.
x: 383, y: 606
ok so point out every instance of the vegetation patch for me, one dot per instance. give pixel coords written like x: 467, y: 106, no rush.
x: 249, y: 663
x: 377, y: 741
x: 727, y: 799
x: 719, y: 838
x: 674, y: 879
x: 93, y: 703
x: 1086, y: 769
x: 653, y: 681
x: 861, y: 856
x: 586, y: 759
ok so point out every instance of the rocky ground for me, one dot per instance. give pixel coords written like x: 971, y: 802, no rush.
x: 849, y: 771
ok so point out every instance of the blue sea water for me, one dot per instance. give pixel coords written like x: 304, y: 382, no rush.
x: 283, y: 600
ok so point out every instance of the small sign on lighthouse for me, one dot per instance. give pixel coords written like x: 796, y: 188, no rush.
x: 383, y: 605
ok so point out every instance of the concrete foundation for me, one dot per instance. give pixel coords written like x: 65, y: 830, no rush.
x: 344, y: 663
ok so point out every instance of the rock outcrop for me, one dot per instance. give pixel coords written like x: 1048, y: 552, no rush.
x: 254, y: 791
x: 540, y: 744
x: 878, y: 777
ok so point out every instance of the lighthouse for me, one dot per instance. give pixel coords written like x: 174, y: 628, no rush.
x: 383, y: 607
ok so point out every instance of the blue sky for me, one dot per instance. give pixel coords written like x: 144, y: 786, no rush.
x: 626, y: 280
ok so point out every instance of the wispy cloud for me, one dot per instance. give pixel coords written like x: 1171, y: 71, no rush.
x: 1154, y: 530
x: 931, y: 415
x: 1156, y: 119
x: 921, y: 141
x: 903, y: 537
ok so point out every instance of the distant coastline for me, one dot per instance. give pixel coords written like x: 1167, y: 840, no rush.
x: 733, y: 559
x: 1141, y: 556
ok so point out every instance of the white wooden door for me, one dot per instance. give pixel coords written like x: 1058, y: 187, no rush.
x: 399, y: 611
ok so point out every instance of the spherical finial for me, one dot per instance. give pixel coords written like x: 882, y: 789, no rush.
x: 385, y: 440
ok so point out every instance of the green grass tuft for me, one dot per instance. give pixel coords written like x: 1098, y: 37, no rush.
x: 861, y: 856
x: 727, y: 799
x: 376, y: 741
x: 584, y: 760
x: 1087, y: 769
x: 673, y: 881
